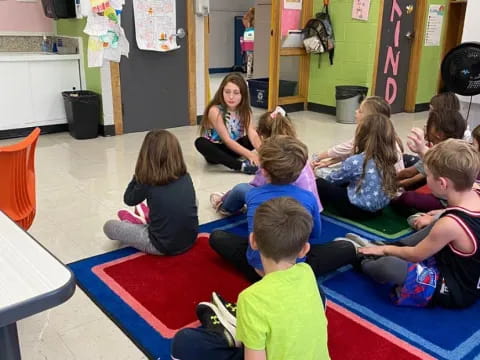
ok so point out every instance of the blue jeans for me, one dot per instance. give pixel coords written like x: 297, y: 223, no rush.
x: 194, y: 344
x: 234, y: 200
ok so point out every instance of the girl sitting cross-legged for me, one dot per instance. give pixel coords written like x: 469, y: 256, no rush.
x: 169, y: 224
x: 366, y: 181
x: 227, y: 131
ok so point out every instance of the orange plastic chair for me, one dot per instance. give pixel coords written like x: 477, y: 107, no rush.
x: 17, y: 180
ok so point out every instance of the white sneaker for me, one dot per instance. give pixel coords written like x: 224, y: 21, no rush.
x: 355, y: 245
x: 359, y: 240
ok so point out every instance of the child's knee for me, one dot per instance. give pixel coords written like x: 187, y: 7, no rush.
x: 200, y: 143
x: 217, y: 239
x: 110, y: 227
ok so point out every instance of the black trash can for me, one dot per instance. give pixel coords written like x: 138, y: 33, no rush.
x: 83, y: 113
x: 348, y: 100
x: 258, y: 89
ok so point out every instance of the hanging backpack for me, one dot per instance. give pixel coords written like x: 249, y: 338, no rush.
x: 318, y: 34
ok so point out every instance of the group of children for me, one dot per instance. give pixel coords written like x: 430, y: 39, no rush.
x: 285, y: 252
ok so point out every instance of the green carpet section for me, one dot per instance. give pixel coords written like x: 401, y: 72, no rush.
x: 390, y: 224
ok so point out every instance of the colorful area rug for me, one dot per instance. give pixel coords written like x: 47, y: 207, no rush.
x: 151, y: 297
x: 390, y: 225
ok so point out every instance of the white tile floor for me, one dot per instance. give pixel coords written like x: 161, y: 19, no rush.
x: 80, y: 185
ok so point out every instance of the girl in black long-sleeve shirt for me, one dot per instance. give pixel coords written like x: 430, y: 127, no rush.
x: 161, y: 178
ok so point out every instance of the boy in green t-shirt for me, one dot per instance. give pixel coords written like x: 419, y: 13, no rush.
x: 279, y: 317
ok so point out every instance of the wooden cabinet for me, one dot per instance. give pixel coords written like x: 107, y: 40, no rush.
x: 31, y: 89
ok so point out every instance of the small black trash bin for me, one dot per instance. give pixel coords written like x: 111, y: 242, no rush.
x: 348, y: 100
x: 83, y: 113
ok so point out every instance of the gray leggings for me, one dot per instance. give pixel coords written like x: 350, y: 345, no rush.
x: 134, y: 235
x: 391, y: 269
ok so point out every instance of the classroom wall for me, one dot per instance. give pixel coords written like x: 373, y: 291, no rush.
x: 221, y: 38
x: 430, y: 61
x: 74, y: 27
x: 354, y: 52
x: 17, y: 16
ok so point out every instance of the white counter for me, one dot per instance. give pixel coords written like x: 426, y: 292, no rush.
x: 32, y: 86
x: 35, y: 56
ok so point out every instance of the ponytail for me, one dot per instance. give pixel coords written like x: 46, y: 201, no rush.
x: 269, y: 126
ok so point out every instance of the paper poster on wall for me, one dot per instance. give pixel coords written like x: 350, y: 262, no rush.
x: 433, y: 31
x: 292, y: 4
x: 290, y: 20
x: 360, y: 9
x: 155, y: 24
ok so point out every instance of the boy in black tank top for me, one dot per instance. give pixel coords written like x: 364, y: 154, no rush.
x: 444, y: 268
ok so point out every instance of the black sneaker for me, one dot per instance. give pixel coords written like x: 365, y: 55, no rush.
x: 248, y: 167
x: 227, y: 309
x: 208, y: 314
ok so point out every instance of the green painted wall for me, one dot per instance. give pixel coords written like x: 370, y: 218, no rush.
x: 354, y: 52
x: 74, y: 27
x: 430, y: 62
x: 355, y: 55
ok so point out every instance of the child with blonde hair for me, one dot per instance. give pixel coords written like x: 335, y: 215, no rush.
x: 227, y: 131
x: 270, y: 124
x: 162, y: 179
x: 443, y: 268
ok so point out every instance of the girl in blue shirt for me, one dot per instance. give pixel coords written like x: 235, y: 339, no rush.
x: 366, y: 182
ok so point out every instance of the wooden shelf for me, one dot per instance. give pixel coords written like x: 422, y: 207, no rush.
x: 292, y: 51
x: 291, y: 100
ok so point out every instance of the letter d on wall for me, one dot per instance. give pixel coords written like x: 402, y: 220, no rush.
x: 391, y: 90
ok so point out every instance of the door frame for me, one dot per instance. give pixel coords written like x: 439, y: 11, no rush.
x: 276, y: 52
x: 453, y: 29
x: 191, y: 79
x: 415, y: 53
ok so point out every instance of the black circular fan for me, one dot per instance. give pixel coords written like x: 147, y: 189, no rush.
x: 461, y: 69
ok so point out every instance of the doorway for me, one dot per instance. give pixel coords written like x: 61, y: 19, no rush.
x: 286, y: 68
x: 455, y: 20
x: 222, y: 31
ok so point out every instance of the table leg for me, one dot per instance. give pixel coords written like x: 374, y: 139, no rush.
x: 9, y: 346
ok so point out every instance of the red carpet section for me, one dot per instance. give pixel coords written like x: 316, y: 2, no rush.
x: 351, y: 338
x: 165, y: 290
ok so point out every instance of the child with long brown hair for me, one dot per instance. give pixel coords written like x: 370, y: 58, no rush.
x: 270, y: 124
x: 366, y: 182
x: 412, y: 177
x: 227, y: 131
x: 441, y: 125
x: 162, y: 179
x: 370, y: 106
